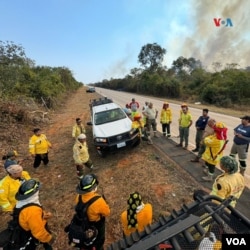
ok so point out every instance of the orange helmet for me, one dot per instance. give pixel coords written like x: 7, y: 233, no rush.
x: 137, y: 117
x: 184, y: 105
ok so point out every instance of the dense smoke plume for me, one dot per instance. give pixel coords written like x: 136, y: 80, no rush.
x: 211, y: 44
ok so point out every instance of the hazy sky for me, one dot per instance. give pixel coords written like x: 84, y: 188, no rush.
x: 100, y: 39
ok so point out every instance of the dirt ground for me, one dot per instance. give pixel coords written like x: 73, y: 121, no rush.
x: 140, y: 169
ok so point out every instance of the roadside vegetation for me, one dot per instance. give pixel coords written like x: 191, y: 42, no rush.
x: 20, y: 78
x: 187, y: 80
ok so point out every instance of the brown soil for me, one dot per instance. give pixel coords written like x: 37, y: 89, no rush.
x: 140, y: 169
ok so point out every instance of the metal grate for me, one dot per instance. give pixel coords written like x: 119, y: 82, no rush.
x: 186, y: 228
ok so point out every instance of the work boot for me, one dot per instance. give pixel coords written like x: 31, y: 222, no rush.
x: 179, y: 145
x: 207, y: 178
x: 196, y: 159
x: 195, y: 150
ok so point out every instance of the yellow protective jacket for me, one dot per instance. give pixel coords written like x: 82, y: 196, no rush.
x: 31, y: 219
x: 144, y: 217
x: 39, y: 144
x: 97, y: 209
x: 8, y: 190
x: 166, y: 116
x: 77, y: 130
x: 138, y: 124
x: 80, y: 152
x: 213, y: 151
x: 227, y: 184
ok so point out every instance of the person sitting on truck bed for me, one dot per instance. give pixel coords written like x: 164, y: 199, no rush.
x: 231, y: 182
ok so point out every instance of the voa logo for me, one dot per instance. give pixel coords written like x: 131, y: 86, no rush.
x: 226, y: 23
x: 236, y: 241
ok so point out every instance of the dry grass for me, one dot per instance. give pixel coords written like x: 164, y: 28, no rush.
x: 121, y: 173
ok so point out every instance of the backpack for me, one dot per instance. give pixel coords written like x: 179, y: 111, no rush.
x: 14, y: 237
x: 81, y: 232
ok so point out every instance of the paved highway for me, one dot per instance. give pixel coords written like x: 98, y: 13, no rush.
x: 231, y: 122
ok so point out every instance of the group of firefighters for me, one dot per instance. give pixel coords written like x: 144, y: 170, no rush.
x: 211, y: 139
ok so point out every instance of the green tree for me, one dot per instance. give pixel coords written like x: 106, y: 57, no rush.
x: 151, y: 56
x: 12, y: 59
x: 186, y: 64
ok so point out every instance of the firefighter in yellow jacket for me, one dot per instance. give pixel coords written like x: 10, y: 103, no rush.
x: 39, y: 147
x: 166, y: 119
x: 215, y: 145
x: 137, y: 216
x: 9, y: 186
x: 138, y: 123
x: 97, y: 211
x: 81, y: 155
x: 33, y: 218
x: 231, y: 182
x: 78, y: 128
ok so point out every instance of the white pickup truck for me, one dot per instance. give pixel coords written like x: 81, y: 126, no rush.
x: 111, y: 127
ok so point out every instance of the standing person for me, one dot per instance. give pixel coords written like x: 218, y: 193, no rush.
x: 39, y: 147
x: 137, y: 216
x: 215, y: 145
x: 145, y: 106
x: 241, y: 142
x: 151, y: 115
x: 200, y: 125
x: 9, y: 186
x: 78, y: 128
x: 134, y: 105
x: 166, y: 119
x: 33, y: 217
x: 185, y: 122
x: 143, y: 109
x: 231, y: 182
x: 208, y: 131
x: 97, y: 211
x: 127, y: 110
x: 81, y: 155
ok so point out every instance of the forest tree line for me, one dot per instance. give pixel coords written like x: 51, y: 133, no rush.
x: 186, y: 80
x: 20, y: 77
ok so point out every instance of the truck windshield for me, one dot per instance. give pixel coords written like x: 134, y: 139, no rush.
x: 109, y: 116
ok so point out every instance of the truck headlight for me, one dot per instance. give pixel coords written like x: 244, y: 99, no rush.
x: 103, y: 140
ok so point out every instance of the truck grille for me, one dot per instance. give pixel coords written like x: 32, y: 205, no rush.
x: 118, y: 138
